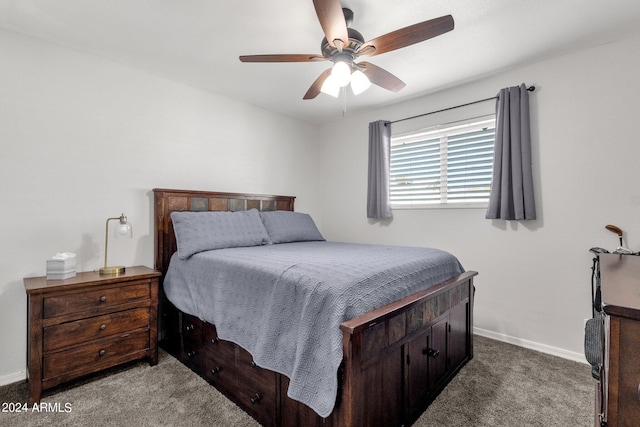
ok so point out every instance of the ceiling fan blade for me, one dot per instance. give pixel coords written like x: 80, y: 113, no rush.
x: 408, y: 35
x: 314, y: 90
x: 282, y: 58
x: 382, y: 78
x: 332, y: 21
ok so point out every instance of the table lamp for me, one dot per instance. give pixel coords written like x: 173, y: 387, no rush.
x: 122, y: 230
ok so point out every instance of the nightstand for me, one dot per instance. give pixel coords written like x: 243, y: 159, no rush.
x: 88, y: 323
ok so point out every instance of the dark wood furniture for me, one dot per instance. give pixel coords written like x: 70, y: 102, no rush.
x: 396, y: 358
x: 618, y: 392
x: 88, y: 323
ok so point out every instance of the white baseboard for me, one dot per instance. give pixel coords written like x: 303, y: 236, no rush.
x: 543, y: 348
x: 13, y: 378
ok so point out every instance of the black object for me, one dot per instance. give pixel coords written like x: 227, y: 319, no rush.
x: 593, y: 344
x: 593, y: 327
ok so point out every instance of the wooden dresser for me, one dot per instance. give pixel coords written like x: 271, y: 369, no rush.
x: 88, y: 323
x: 618, y: 396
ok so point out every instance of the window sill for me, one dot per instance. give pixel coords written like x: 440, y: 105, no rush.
x: 477, y: 205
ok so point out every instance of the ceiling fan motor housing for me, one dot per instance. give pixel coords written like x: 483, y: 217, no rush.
x: 355, y: 41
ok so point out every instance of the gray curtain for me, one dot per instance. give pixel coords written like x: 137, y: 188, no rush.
x: 378, y: 205
x: 511, y: 196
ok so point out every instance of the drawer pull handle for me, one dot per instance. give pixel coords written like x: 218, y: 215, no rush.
x: 256, y: 398
x: 103, y: 327
x: 191, y: 354
x: 102, y: 352
x: 103, y: 298
x: 190, y: 328
x: 253, y: 364
x: 215, y: 340
x: 215, y: 370
x: 431, y: 352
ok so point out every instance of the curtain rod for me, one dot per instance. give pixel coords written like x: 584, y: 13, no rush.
x: 530, y: 89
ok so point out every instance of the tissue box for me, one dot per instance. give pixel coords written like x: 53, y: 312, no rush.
x: 58, y: 269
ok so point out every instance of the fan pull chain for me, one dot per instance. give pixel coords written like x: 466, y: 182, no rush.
x: 344, y: 101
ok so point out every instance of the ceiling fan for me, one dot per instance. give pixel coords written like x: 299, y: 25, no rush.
x: 343, y: 45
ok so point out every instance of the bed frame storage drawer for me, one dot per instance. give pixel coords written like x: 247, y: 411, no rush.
x: 191, y: 332
x: 257, y: 388
x: 229, y: 368
x: 220, y: 357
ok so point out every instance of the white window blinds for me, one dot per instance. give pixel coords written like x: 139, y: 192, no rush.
x: 445, y: 165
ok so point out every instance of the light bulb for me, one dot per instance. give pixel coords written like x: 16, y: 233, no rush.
x: 342, y: 73
x: 359, y: 82
x: 123, y: 228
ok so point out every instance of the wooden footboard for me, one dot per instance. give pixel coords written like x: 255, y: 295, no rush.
x: 396, y: 358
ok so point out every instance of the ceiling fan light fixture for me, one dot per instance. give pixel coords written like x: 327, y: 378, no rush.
x: 341, y: 73
x: 359, y: 82
x: 330, y: 87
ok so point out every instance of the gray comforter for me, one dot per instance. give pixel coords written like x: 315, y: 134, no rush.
x: 284, y: 303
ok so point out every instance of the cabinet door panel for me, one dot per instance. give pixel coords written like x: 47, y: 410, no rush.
x: 437, y: 353
x: 383, y: 389
x: 458, y: 343
x: 418, y: 370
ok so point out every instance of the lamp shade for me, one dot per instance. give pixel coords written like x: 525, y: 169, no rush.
x: 330, y: 87
x: 359, y: 82
x: 341, y: 72
x: 123, y: 229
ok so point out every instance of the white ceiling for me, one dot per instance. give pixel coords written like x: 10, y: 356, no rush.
x: 198, y: 41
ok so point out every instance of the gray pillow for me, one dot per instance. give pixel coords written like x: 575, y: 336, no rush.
x: 203, y: 231
x: 287, y: 226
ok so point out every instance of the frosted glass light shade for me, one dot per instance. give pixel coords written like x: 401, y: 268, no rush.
x: 359, y: 82
x: 341, y: 72
x: 330, y: 87
x: 123, y: 229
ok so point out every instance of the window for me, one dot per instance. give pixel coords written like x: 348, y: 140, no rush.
x: 449, y: 165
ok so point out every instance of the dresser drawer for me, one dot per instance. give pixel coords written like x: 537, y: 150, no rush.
x: 54, y: 306
x: 96, y: 354
x: 79, y: 331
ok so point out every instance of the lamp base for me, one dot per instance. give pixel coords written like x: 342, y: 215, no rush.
x: 112, y: 271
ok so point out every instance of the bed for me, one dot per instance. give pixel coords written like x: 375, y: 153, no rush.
x: 394, y: 357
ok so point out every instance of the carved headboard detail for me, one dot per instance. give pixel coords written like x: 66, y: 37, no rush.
x: 167, y: 201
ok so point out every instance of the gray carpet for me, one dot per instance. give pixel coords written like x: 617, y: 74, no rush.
x: 503, y: 385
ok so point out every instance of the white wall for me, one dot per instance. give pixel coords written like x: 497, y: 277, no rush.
x: 83, y: 139
x: 65, y: 115
x: 534, y: 282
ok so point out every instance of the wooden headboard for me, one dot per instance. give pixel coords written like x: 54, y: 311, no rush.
x: 167, y: 201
